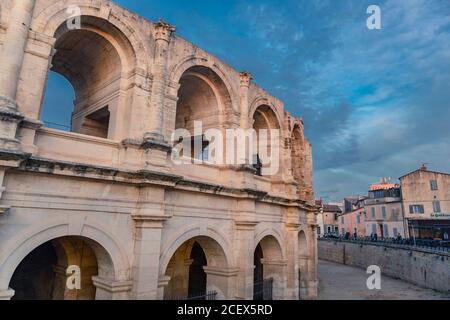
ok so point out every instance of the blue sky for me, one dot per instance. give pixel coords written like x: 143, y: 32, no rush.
x: 375, y: 102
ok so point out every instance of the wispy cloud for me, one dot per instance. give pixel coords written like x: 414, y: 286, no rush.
x: 375, y: 103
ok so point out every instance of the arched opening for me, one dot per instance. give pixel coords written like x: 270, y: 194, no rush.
x: 202, y: 97
x: 197, y: 275
x: 258, y: 274
x: 266, y: 154
x: 43, y: 273
x: 268, y: 281
x: 91, y: 59
x: 194, y: 271
x: 303, y: 265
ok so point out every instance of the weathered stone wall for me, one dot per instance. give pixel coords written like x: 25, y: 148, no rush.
x: 419, y: 266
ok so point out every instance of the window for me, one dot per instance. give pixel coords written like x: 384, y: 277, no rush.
x: 358, y: 219
x: 372, y: 211
x: 336, y: 230
x: 395, y: 232
x: 386, y: 231
x: 436, y: 206
x: 329, y: 229
x: 416, y: 208
x: 383, y: 212
x: 343, y: 231
x: 433, y: 185
x: 318, y: 231
x: 394, y: 214
x: 374, y: 228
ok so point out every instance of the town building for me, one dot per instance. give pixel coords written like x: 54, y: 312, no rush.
x: 329, y: 219
x: 383, y: 207
x: 352, y: 221
x: 108, y: 197
x: 426, y: 203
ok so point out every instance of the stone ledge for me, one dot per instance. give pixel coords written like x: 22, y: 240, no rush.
x: 30, y: 163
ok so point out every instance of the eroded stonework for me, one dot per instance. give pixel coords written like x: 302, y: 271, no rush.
x: 106, y: 195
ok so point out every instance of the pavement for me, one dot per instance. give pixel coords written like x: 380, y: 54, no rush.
x: 340, y: 282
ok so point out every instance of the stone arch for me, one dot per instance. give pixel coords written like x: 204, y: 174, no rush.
x: 182, y: 263
x: 267, y: 146
x: 52, y: 17
x: 112, y: 260
x: 276, y: 239
x: 99, y: 61
x: 177, y: 71
x: 303, y: 260
x: 260, y: 102
x: 192, y: 232
x: 271, y: 268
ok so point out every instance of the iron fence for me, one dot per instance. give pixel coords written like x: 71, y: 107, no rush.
x: 263, y: 290
x: 208, y: 296
x: 434, y: 245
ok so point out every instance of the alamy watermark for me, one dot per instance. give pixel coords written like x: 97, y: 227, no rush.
x: 74, y: 277
x: 374, y: 281
x: 257, y: 148
x: 74, y: 20
x: 374, y: 20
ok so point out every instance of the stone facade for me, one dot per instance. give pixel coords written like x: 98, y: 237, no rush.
x: 107, y: 197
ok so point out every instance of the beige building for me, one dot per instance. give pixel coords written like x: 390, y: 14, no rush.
x: 383, y: 207
x: 426, y: 203
x: 107, y: 197
x: 329, y: 223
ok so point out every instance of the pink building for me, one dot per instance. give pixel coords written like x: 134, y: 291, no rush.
x: 353, y: 221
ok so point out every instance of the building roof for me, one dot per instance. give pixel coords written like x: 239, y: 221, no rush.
x: 331, y: 208
x: 383, y: 186
x: 424, y: 169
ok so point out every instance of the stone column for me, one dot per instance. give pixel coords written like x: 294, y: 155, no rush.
x: 245, y: 80
x: 6, y: 294
x: 303, y: 276
x: 292, y: 284
x: 276, y: 270
x: 147, y: 246
x: 222, y: 281
x: 108, y: 289
x: 155, y: 118
x: 245, y: 246
x: 10, y: 65
x: 313, y: 256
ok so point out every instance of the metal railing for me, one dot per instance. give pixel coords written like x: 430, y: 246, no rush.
x: 209, y: 296
x: 410, y: 243
x: 263, y: 290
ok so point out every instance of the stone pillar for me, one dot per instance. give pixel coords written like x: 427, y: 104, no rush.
x: 10, y: 65
x: 303, y: 276
x: 162, y: 34
x: 162, y: 284
x: 313, y: 255
x: 108, y: 289
x: 292, y: 283
x: 245, y: 246
x: 276, y: 270
x: 147, y: 246
x: 6, y: 294
x: 245, y: 80
x: 222, y: 281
